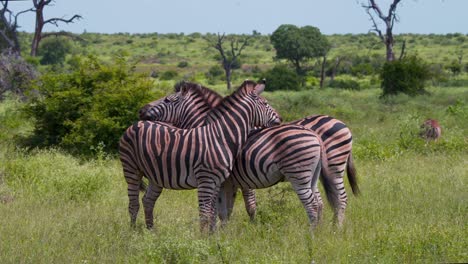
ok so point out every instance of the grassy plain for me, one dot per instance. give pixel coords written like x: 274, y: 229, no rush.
x: 56, y: 208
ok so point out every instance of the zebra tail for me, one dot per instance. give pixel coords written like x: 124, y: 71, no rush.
x: 327, y: 180
x: 352, y: 176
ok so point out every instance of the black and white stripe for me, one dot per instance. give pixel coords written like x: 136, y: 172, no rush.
x: 194, y: 158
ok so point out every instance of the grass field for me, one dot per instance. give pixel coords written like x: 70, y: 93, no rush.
x: 56, y: 208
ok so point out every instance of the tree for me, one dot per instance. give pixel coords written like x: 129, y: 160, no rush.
x: 9, y: 28
x: 54, y: 50
x: 16, y: 74
x: 39, y: 6
x: 229, y: 57
x: 299, y: 45
x: 389, y: 20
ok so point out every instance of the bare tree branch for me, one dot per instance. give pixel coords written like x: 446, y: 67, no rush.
x: 63, y: 33
x: 389, y: 21
x: 228, y: 61
x: 55, y: 21
x: 41, y: 22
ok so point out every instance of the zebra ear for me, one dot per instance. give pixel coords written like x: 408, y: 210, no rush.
x: 258, y: 89
x: 184, y: 89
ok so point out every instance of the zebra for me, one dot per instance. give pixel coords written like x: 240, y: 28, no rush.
x: 286, y: 152
x: 327, y: 126
x: 281, y: 153
x: 201, y: 157
x: 430, y: 130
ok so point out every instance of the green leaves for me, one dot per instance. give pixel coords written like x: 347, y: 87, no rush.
x: 91, y: 105
x: 407, y: 75
x: 298, y: 45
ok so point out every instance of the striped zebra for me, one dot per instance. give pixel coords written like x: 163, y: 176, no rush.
x: 199, y: 158
x: 430, y: 130
x: 281, y: 153
x: 286, y: 152
x: 182, y: 107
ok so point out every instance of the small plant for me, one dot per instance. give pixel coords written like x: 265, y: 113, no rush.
x: 345, y: 84
x: 169, y: 75
x: 183, y: 64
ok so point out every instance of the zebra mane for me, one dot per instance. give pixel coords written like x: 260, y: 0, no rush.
x: 199, y: 89
x: 221, y: 108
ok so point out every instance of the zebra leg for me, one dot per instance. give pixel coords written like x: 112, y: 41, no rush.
x: 319, y: 204
x: 151, y: 195
x: 343, y: 200
x: 306, y: 195
x: 226, y: 197
x: 250, y: 202
x: 207, y: 195
x: 133, y: 179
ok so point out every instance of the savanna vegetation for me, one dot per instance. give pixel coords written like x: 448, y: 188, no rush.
x: 63, y: 197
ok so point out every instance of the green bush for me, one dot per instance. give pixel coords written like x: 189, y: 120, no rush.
x: 89, y: 106
x: 345, y: 84
x: 169, y: 75
x: 54, y: 50
x: 407, y: 75
x: 281, y: 77
x: 183, y: 64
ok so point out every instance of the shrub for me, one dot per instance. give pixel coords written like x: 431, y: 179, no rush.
x: 455, y: 67
x: 407, y: 75
x: 169, y: 75
x: 344, y: 84
x: 182, y: 64
x: 89, y: 106
x: 281, y: 77
x: 54, y: 50
x: 214, y: 73
x: 16, y: 74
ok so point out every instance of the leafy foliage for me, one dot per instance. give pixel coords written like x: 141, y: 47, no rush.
x: 344, y: 84
x: 298, y: 45
x: 54, y: 50
x: 281, y: 77
x: 89, y: 106
x: 407, y: 75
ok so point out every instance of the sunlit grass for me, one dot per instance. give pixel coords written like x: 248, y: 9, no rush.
x: 56, y: 208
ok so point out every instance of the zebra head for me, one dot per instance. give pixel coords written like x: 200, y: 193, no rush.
x: 186, y: 108
x: 161, y: 110
x: 263, y: 115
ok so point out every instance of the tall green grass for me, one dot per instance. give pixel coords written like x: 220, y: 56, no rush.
x: 57, y: 208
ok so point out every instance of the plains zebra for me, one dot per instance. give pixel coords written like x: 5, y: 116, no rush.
x: 430, y: 130
x: 335, y: 135
x: 200, y: 158
x: 281, y: 153
x: 286, y: 152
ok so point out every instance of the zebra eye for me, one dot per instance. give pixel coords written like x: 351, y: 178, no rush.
x: 166, y: 100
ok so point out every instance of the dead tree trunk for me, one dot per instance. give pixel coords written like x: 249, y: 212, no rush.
x: 8, y: 28
x: 322, y: 70
x: 41, y: 22
x: 229, y: 59
x: 389, y: 21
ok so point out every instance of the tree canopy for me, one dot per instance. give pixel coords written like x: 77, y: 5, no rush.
x: 299, y: 44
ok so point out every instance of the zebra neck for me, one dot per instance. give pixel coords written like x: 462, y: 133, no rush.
x: 194, y: 116
x: 231, y: 121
